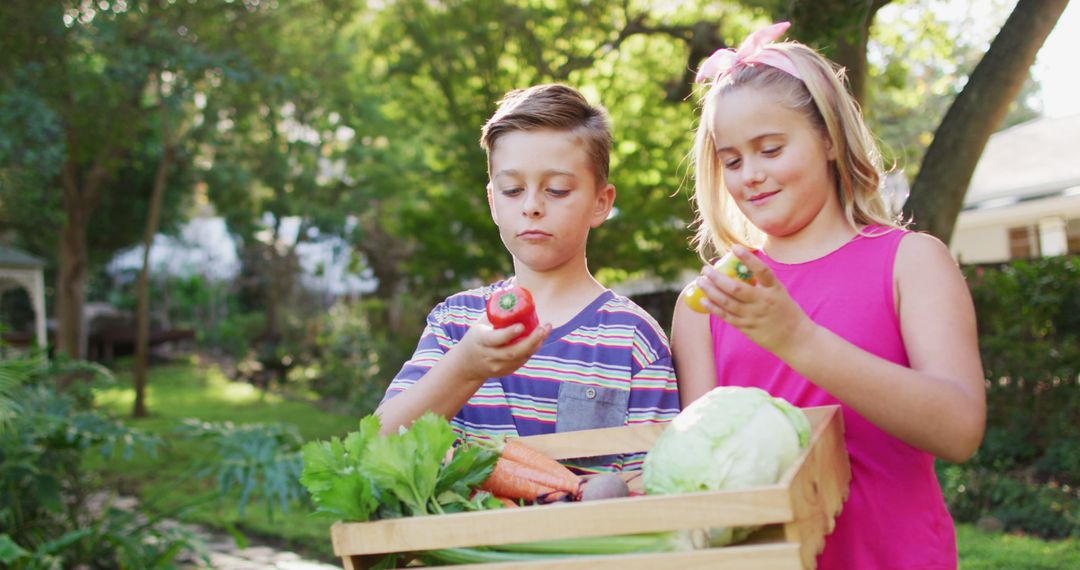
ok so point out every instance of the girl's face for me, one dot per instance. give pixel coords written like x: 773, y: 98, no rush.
x: 776, y: 165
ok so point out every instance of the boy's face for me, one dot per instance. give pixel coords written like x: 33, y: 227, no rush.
x: 544, y: 197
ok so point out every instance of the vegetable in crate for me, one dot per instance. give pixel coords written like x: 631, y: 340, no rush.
x: 728, y: 265
x: 510, y: 305
x: 367, y: 476
x: 730, y: 438
x: 524, y: 473
x: 605, y: 486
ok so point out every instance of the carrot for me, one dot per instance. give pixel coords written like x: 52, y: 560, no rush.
x: 548, y: 471
x: 514, y: 480
x: 507, y: 502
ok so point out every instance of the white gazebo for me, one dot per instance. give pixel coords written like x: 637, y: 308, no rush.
x: 20, y: 269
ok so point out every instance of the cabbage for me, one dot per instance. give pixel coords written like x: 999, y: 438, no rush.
x: 730, y: 438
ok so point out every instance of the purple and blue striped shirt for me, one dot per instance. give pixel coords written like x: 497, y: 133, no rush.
x: 608, y: 366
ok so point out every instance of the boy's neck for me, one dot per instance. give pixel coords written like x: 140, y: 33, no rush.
x: 561, y: 293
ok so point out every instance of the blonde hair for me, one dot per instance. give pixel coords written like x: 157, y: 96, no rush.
x: 824, y: 100
x: 558, y: 107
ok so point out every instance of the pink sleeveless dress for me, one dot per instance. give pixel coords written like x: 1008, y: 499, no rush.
x: 895, y: 516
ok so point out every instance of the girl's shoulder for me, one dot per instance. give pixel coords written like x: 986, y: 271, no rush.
x: 915, y: 245
x: 921, y: 256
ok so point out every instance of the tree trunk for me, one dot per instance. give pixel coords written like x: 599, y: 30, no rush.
x: 851, y: 55
x: 71, y: 289
x: 937, y: 195
x: 153, y: 217
x: 840, y: 29
x: 80, y: 199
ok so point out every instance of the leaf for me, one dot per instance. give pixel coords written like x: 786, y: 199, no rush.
x: 470, y: 466
x: 237, y: 534
x: 9, y: 550
x: 433, y: 439
x: 333, y: 476
x: 390, y: 464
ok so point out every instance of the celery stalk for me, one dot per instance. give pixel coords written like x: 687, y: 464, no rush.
x: 587, y: 546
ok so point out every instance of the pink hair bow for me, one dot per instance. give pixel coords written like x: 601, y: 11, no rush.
x: 753, y: 50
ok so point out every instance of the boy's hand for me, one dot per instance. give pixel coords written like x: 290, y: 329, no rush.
x: 484, y: 351
x: 765, y: 313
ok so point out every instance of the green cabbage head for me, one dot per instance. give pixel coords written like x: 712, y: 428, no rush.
x: 730, y: 438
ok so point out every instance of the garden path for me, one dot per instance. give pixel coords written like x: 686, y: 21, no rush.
x: 225, y: 554
x: 221, y: 548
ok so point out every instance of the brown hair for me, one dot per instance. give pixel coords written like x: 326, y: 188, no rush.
x: 558, y: 107
x: 823, y: 99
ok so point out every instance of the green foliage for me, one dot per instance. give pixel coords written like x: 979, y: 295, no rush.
x: 168, y: 483
x: 44, y: 509
x: 234, y: 334
x: 1027, y: 472
x: 358, y: 354
x: 260, y: 459
x: 368, y: 476
x: 917, y: 66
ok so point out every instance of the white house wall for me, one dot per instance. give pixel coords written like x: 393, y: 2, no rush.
x: 982, y: 235
x: 985, y: 244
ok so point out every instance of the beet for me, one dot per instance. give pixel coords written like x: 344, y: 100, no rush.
x: 606, y: 486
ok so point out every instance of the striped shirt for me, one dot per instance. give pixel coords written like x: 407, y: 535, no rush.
x: 608, y: 366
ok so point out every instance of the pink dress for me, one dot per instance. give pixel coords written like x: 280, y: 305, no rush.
x: 895, y: 516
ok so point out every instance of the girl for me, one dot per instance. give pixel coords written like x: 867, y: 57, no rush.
x: 848, y: 308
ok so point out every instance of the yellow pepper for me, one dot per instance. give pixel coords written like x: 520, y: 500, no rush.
x: 728, y: 265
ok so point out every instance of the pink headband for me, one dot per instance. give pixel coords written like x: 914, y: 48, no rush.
x: 753, y: 50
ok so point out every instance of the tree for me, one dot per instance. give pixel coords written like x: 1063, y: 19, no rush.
x: 87, y: 68
x: 920, y: 65
x: 937, y: 194
x: 276, y: 151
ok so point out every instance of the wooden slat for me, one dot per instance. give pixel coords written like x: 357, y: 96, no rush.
x: 611, y: 517
x: 590, y: 443
x: 818, y: 488
x: 779, y: 556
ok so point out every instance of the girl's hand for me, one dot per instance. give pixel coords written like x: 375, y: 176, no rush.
x: 765, y: 313
x: 484, y: 352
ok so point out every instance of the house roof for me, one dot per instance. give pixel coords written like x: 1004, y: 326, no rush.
x: 11, y: 257
x: 1030, y: 160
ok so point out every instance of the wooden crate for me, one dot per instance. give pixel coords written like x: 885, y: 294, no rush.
x: 797, y: 512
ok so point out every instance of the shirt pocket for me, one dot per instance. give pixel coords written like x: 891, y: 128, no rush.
x: 590, y: 407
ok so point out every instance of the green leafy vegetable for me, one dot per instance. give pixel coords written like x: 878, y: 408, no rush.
x: 730, y: 438
x: 333, y: 476
x: 370, y: 476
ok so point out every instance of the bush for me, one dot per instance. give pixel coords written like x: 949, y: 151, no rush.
x: 1027, y: 472
x: 234, y: 335
x: 359, y: 352
x: 45, y: 514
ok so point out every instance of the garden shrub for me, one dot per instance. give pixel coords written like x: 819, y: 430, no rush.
x: 359, y: 352
x: 45, y: 517
x: 234, y: 334
x: 1027, y: 471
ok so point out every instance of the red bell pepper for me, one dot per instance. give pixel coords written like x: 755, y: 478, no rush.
x: 512, y: 304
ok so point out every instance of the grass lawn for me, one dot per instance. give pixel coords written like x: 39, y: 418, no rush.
x: 185, y: 390
x: 165, y: 483
x: 985, y: 551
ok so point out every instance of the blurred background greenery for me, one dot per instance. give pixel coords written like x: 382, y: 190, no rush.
x: 309, y: 175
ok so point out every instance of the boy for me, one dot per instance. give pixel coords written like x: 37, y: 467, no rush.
x: 598, y: 360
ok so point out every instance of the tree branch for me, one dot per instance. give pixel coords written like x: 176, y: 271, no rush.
x: 937, y: 195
